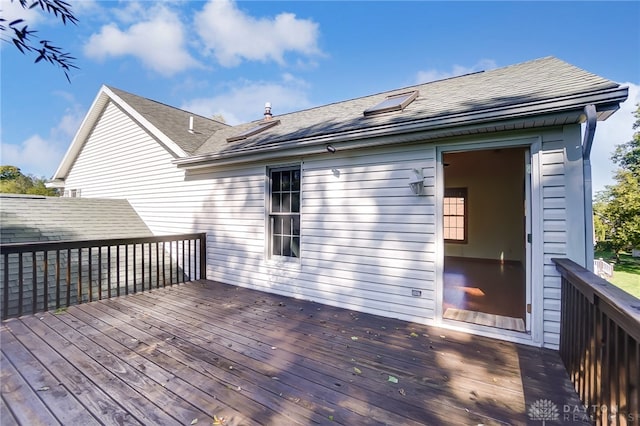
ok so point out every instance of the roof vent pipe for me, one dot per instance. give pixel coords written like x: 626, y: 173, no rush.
x: 267, y: 111
x: 191, y: 124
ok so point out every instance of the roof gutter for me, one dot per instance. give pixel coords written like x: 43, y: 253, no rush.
x: 587, y: 142
x: 342, y: 142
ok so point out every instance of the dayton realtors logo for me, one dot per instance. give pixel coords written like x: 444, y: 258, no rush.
x: 543, y: 410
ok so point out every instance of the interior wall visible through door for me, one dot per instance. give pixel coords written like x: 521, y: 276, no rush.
x: 484, y: 237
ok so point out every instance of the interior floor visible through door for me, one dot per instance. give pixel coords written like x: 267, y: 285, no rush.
x: 485, y: 292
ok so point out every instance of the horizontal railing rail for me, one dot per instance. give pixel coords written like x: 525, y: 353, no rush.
x: 600, y: 344
x: 39, y: 276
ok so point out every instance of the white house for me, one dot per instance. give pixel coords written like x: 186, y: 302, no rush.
x: 441, y: 203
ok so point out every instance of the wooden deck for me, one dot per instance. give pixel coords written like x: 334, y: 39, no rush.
x: 204, y: 352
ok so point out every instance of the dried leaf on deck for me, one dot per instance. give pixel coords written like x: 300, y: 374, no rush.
x: 357, y: 370
x: 194, y: 421
x: 413, y: 334
x: 393, y: 379
x: 218, y: 420
x: 354, y: 338
x: 44, y: 388
x: 402, y: 392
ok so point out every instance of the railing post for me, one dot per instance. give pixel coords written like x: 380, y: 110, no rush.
x: 126, y: 269
x: 90, y: 257
x: 68, y: 277
x: 45, y: 293
x: 135, y: 285
x: 34, y: 285
x: 203, y: 256
x: 183, y: 263
x: 79, y: 275
x: 158, y: 265
x: 57, y: 279
x: 118, y: 270
x: 99, y: 273
x: 108, y: 272
x: 164, y: 265
x: 5, y: 288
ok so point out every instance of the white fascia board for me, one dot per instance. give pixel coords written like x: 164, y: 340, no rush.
x: 104, y: 96
x: 57, y: 183
x: 77, y: 142
x: 356, y: 140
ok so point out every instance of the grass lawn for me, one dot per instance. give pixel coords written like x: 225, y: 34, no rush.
x: 626, y: 273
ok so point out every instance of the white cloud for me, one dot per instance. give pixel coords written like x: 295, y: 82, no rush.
x: 244, y: 101
x: 40, y: 156
x: 232, y: 35
x: 34, y: 156
x: 456, y: 70
x: 132, y: 12
x: 616, y: 130
x: 86, y: 8
x: 157, y: 39
x: 11, y: 11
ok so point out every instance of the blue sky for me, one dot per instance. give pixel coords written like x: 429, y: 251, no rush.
x: 229, y: 58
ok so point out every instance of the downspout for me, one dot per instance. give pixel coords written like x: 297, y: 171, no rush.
x: 587, y: 142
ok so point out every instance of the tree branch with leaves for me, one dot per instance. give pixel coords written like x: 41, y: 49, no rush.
x: 13, y: 181
x: 23, y: 37
x: 617, y: 208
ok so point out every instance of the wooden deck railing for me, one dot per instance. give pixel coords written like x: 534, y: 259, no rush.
x: 52, y: 275
x: 600, y: 344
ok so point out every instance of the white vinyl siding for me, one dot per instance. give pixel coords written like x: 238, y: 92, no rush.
x: 554, y: 237
x: 560, y: 161
x: 367, y: 241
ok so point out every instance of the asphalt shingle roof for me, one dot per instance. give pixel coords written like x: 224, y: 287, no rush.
x: 28, y: 218
x: 525, y: 84
x: 528, y: 82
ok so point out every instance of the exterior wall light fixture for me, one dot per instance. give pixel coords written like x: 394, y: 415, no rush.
x: 417, y: 182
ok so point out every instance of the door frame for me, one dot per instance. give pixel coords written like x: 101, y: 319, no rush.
x: 533, y: 252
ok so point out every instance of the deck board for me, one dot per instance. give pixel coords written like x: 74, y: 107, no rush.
x: 64, y: 407
x: 204, y: 349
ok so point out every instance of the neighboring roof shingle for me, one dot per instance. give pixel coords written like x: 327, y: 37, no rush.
x: 172, y: 121
x: 28, y: 218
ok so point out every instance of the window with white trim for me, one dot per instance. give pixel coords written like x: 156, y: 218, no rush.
x: 284, y: 212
